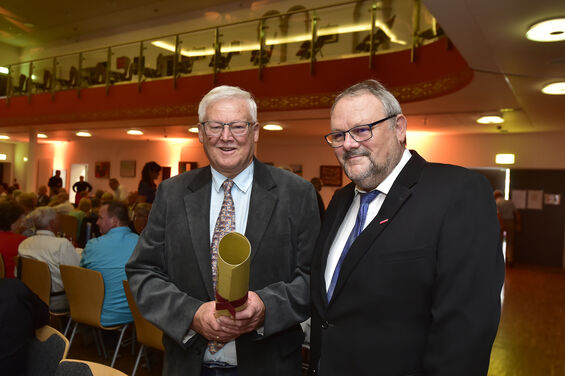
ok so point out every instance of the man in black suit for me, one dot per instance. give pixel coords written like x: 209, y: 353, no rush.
x: 416, y: 289
x: 171, y: 272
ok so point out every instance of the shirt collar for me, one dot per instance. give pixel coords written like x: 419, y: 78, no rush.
x: 243, y: 180
x: 44, y: 232
x: 387, y: 183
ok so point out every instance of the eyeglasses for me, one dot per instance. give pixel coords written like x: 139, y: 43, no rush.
x: 358, y: 133
x: 215, y: 128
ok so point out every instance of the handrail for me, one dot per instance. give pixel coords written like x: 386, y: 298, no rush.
x: 316, y: 31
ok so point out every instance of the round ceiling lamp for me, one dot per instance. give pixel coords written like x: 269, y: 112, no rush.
x: 83, y: 134
x: 554, y: 88
x: 547, y: 31
x: 134, y: 132
x: 193, y: 130
x: 272, y: 127
x: 490, y: 119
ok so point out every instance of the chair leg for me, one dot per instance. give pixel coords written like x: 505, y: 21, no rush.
x: 137, y: 360
x: 73, y: 335
x: 146, y: 352
x: 97, y: 341
x: 67, y: 327
x: 98, y: 332
x: 122, y: 332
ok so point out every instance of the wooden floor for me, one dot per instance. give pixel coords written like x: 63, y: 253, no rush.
x: 530, y: 340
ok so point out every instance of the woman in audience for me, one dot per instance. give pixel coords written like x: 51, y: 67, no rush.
x: 11, y: 215
x: 147, y: 186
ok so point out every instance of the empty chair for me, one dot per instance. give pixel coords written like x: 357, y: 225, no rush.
x: 72, y: 367
x: 85, y: 292
x: 147, y: 333
x: 68, y: 226
x: 45, y: 352
x: 21, y: 88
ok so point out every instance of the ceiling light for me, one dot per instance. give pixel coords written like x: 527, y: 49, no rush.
x: 547, y: 31
x: 272, y: 127
x: 555, y: 88
x: 25, y: 159
x: 41, y: 135
x: 4, y: 137
x: 193, y: 130
x: 83, y: 134
x: 505, y: 159
x: 4, y: 70
x: 3, y: 157
x: 134, y: 132
x: 490, y: 119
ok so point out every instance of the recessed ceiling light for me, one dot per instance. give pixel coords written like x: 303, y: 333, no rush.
x: 41, y: 135
x: 25, y: 159
x: 3, y: 157
x: 4, y: 137
x: 4, y: 70
x: 547, y: 31
x: 490, y: 119
x: 505, y: 159
x: 135, y: 132
x: 555, y: 88
x: 83, y: 134
x: 272, y: 127
x: 193, y: 130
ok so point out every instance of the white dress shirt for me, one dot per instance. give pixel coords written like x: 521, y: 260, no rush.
x: 351, y: 216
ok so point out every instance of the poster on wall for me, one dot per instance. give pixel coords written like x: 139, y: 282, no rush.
x: 102, y: 170
x: 535, y: 199
x: 331, y: 175
x: 127, y: 169
x: 519, y: 198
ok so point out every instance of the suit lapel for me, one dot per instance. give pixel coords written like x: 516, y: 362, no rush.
x: 400, y: 191
x: 261, y: 206
x: 198, y: 217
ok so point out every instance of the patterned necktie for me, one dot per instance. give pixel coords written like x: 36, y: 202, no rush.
x: 365, y: 200
x: 224, y: 225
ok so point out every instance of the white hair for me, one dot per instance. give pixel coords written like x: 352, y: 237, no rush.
x: 226, y: 92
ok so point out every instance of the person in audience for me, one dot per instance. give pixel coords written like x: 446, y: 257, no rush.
x: 317, y: 183
x: 28, y: 201
x: 11, y: 214
x: 509, y: 223
x: 21, y: 313
x: 120, y: 194
x: 88, y: 227
x: 82, y: 210
x: 106, y: 198
x: 108, y: 254
x: 140, y: 217
x: 55, y: 183
x: 42, y: 197
x: 171, y: 271
x: 62, y: 197
x: 408, y: 269
x: 147, y: 186
x: 45, y: 246
x: 82, y: 188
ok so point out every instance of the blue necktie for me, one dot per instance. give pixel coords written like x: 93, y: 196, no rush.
x: 365, y: 199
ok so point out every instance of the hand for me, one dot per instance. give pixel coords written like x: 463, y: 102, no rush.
x: 206, y: 324
x: 247, y: 320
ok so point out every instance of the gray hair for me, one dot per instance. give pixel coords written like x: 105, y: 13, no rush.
x: 374, y: 87
x: 226, y: 92
x: 42, y: 216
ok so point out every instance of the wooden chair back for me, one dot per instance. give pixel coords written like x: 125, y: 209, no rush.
x: 85, y: 293
x: 45, y: 352
x: 147, y: 333
x: 68, y: 225
x: 36, y: 276
x: 72, y: 367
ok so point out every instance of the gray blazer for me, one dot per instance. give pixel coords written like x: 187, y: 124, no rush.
x: 170, y: 274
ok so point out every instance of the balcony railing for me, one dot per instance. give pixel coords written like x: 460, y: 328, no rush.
x: 301, y: 35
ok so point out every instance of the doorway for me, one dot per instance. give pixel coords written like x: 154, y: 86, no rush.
x: 77, y: 170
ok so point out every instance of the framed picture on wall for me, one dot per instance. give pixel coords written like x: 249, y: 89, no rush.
x: 165, y: 172
x: 187, y: 166
x: 331, y: 175
x: 127, y: 169
x: 102, y: 170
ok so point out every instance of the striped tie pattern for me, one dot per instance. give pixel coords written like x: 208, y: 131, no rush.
x: 224, y: 225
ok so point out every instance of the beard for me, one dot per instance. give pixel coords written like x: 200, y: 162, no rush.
x: 374, y: 173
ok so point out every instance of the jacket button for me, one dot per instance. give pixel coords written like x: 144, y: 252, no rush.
x: 325, y: 325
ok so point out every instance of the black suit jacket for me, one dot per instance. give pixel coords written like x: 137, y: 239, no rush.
x: 419, y: 291
x: 170, y: 269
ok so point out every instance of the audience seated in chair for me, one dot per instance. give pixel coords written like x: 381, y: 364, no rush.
x: 21, y: 313
x: 11, y: 215
x: 45, y: 352
x: 45, y: 246
x: 108, y: 254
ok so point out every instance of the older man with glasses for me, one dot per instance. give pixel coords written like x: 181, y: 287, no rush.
x: 407, y: 271
x: 173, y: 270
